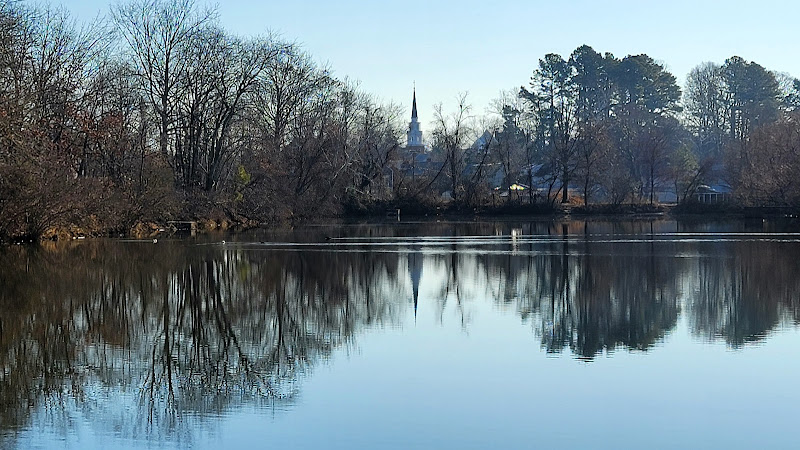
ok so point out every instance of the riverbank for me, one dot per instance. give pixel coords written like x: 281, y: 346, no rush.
x: 141, y: 230
x: 93, y: 227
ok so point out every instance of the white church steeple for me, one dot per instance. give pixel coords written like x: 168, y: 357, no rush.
x: 414, y: 135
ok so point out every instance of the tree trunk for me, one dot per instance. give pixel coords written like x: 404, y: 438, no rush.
x: 652, y: 184
x: 586, y: 191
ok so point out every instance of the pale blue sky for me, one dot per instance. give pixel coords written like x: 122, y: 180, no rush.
x: 487, y: 46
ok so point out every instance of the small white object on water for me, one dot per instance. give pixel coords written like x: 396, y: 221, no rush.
x: 155, y: 241
x: 223, y: 242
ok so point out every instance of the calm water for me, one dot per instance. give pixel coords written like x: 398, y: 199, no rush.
x: 471, y: 335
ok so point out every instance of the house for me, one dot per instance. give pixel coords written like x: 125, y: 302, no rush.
x: 712, y: 194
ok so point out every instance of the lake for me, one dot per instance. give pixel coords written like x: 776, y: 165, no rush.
x: 494, y: 334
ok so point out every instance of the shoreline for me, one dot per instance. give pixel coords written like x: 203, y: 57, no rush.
x: 154, y: 228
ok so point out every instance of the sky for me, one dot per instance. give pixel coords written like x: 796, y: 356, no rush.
x: 485, y: 47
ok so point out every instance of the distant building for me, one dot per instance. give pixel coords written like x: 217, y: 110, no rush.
x: 414, y: 134
x: 414, y: 158
x: 716, y: 193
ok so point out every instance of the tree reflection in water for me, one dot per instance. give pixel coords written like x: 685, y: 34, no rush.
x: 191, y: 328
x: 745, y: 291
x: 590, y: 295
x: 181, y: 329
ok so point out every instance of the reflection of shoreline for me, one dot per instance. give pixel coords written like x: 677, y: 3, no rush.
x: 200, y: 330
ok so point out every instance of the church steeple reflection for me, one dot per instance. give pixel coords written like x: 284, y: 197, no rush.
x: 415, y: 272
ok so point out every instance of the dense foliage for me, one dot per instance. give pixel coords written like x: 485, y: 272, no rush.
x: 619, y: 129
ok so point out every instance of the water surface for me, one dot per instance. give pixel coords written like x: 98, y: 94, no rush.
x: 645, y: 334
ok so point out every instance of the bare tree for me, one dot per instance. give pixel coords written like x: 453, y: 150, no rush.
x: 592, y: 151
x: 770, y: 165
x: 656, y: 143
x: 451, y: 135
x: 378, y: 134
x: 158, y: 34
x: 707, y: 108
x: 510, y: 138
x: 216, y: 90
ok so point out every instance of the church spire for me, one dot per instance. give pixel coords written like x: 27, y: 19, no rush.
x: 414, y: 105
x: 414, y: 133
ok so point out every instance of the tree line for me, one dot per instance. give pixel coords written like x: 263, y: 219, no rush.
x: 155, y: 112
x: 615, y: 130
